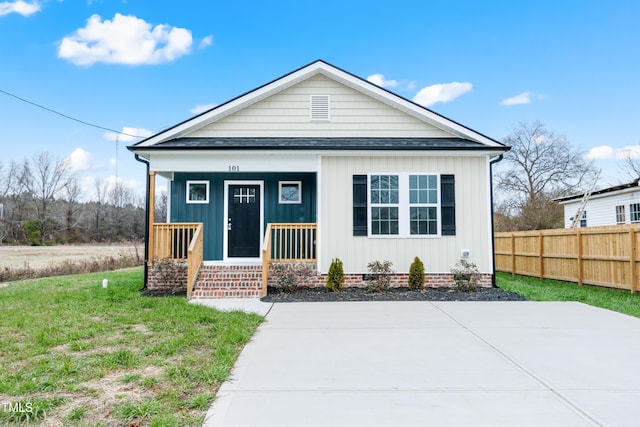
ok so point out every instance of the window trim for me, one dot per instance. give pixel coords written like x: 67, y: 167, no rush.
x: 634, y: 212
x: 197, y: 202
x: 290, y: 202
x: 404, y: 207
x: 621, y: 215
x: 435, y: 205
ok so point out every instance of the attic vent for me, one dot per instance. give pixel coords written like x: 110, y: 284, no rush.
x: 319, y: 107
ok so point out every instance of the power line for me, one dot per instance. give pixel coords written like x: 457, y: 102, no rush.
x: 66, y: 116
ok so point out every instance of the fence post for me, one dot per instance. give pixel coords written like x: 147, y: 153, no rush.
x: 513, y: 254
x: 540, y: 242
x: 580, y: 262
x: 632, y: 260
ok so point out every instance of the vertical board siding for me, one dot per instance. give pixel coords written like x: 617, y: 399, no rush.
x: 601, y: 256
x: 439, y: 254
x: 352, y: 113
x: 212, y: 213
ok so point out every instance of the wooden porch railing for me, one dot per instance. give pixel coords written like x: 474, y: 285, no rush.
x: 295, y: 243
x: 179, y: 242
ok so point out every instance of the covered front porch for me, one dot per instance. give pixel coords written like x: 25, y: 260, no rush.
x: 176, y: 260
x: 225, y: 230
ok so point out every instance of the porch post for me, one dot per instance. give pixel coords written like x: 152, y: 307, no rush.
x: 151, y: 213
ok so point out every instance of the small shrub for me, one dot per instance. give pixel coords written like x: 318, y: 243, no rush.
x: 289, y: 276
x: 379, y: 275
x: 416, y: 275
x: 335, y: 276
x: 465, y: 275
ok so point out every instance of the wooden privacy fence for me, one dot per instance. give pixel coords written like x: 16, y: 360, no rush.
x: 601, y: 256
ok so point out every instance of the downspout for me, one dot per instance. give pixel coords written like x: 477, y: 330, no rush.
x: 146, y: 225
x: 493, y: 249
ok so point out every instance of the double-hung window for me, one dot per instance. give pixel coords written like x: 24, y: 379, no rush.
x: 403, y: 205
x: 621, y: 218
x: 423, y: 204
x: 634, y: 212
x: 385, y: 202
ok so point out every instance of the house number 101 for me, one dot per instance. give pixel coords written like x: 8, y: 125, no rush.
x: 234, y: 168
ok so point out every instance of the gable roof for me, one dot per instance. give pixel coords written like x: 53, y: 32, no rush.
x: 186, y: 127
x: 605, y: 191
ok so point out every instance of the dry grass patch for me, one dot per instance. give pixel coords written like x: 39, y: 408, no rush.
x: 83, y: 355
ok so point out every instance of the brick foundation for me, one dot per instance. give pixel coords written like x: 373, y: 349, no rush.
x: 167, y: 277
x: 245, y: 281
x: 398, y: 280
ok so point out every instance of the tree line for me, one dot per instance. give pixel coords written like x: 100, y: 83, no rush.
x: 41, y: 203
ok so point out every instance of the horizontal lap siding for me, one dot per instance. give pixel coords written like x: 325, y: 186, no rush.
x: 353, y: 114
x: 602, y: 210
x: 438, y: 254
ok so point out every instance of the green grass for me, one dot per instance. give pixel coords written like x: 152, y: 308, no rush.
x: 554, y: 290
x: 83, y: 355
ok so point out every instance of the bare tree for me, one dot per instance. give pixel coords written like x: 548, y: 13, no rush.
x: 99, y: 208
x: 44, y: 178
x: 540, y: 166
x: 631, y: 165
x: 71, y: 195
x: 160, y: 213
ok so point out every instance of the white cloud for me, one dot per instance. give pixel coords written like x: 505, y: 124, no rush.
x: 201, y: 108
x: 79, y: 159
x: 125, y: 40
x: 628, y: 152
x: 600, y: 152
x: 207, y: 41
x: 603, y: 152
x: 443, y: 92
x: 522, y: 98
x: 132, y: 135
x: 378, y: 79
x: 21, y: 7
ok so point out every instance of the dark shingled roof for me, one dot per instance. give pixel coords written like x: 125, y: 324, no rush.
x: 603, y: 191
x: 323, y: 144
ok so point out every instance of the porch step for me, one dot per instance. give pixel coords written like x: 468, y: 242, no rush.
x: 228, y: 281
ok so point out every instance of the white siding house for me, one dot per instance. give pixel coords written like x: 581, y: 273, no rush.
x: 368, y: 174
x: 619, y: 204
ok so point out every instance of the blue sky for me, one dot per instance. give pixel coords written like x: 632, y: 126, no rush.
x: 142, y: 66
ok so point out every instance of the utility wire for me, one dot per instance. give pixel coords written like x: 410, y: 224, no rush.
x: 68, y: 117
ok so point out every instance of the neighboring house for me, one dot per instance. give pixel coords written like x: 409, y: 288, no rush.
x: 619, y: 204
x: 316, y: 165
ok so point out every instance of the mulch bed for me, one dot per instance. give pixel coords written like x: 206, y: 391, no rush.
x: 394, y: 294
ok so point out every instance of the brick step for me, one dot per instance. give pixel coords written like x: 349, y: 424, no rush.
x: 235, y: 281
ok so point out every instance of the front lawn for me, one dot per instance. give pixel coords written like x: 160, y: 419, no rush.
x: 73, y: 353
x: 554, y: 290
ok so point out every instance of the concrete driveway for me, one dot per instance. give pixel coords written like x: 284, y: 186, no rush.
x: 436, y: 364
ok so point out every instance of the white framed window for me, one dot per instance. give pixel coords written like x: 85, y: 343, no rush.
x: 290, y: 192
x: 404, y: 205
x: 621, y: 217
x: 583, y: 219
x: 634, y: 212
x: 384, y: 195
x: 423, y: 204
x: 197, y: 191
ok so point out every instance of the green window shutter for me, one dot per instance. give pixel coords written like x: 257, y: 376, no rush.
x: 448, y: 204
x: 359, y: 205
